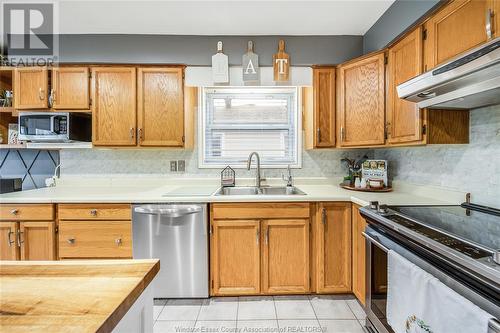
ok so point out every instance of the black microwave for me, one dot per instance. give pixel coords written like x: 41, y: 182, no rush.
x: 55, y: 127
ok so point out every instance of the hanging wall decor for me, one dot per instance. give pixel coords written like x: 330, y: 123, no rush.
x: 250, y: 66
x: 220, y: 66
x: 281, y: 63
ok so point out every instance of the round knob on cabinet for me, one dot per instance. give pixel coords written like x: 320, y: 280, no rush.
x: 93, y: 212
x: 118, y: 241
x: 71, y: 240
x: 14, y: 211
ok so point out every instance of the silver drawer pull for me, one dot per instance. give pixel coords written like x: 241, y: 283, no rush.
x: 118, y: 241
x: 93, y: 212
x: 15, y: 211
x: 71, y: 240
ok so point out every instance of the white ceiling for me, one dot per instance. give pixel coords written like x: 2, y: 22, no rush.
x: 250, y: 17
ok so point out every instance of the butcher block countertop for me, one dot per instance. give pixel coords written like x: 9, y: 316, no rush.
x: 70, y: 296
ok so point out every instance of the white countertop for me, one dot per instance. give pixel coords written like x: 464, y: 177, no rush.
x: 155, y: 190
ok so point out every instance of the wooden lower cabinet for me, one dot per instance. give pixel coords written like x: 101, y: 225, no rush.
x: 95, y: 239
x: 235, y: 257
x: 33, y: 240
x: 333, y: 247
x: 358, y: 255
x: 9, y: 249
x: 285, y: 256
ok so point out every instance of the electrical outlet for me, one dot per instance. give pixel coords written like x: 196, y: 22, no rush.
x: 181, y: 165
x: 173, y: 166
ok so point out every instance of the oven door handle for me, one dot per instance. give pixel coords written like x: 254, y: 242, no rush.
x: 375, y: 241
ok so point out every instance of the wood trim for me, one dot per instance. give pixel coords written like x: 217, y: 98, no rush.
x: 260, y: 210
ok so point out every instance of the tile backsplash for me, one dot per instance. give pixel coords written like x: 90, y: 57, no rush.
x: 474, y: 167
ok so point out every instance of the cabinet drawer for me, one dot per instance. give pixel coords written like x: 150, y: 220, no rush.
x: 95, y: 239
x: 260, y: 210
x: 39, y: 212
x: 94, y: 211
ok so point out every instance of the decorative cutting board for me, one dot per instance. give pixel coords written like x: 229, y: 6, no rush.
x: 220, y: 66
x: 281, y: 63
x: 250, y: 65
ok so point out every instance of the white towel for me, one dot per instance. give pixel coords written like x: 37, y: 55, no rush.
x: 419, y: 302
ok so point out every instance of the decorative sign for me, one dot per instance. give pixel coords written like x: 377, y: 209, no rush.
x: 281, y: 63
x: 220, y: 66
x: 375, y: 169
x: 250, y: 64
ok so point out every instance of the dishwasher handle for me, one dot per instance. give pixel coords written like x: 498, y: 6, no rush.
x: 169, y: 212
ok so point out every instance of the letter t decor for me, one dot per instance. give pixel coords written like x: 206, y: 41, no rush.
x: 281, y: 64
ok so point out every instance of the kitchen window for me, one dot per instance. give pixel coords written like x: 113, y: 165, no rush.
x: 236, y: 121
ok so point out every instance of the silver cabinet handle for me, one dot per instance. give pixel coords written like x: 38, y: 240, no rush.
x: 323, y: 216
x: 266, y: 236
x: 132, y: 133
x: 342, y: 134
x: 169, y: 212
x: 139, y: 134
x: 118, y: 241
x: 19, y: 239
x: 318, y: 134
x: 14, y: 211
x: 489, y: 15
x: 93, y: 212
x: 257, y: 236
x: 71, y: 240
x: 10, y: 241
x: 41, y: 94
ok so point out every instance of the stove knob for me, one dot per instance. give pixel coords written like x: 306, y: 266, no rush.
x: 382, y: 209
x: 496, y: 256
x: 374, y: 205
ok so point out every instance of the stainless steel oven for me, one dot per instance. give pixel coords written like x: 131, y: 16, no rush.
x: 55, y: 126
x: 378, y: 242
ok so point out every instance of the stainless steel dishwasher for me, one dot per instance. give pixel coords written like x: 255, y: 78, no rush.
x: 177, y: 235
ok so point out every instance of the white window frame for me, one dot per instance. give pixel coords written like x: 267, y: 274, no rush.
x: 242, y: 165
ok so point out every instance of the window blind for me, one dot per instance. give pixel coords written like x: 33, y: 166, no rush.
x: 236, y: 121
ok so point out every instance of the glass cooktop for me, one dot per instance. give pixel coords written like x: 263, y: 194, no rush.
x: 445, y: 224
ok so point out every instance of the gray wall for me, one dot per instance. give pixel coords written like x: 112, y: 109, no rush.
x: 33, y: 166
x: 474, y: 167
x: 401, y: 15
x: 198, y: 50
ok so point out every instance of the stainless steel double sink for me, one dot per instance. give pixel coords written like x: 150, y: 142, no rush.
x: 254, y: 190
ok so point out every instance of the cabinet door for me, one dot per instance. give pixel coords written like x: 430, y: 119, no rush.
x: 37, y: 240
x: 404, y: 118
x: 70, y: 88
x: 324, y: 107
x: 160, y: 107
x: 285, y: 260
x: 30, y: 88
x: 362, y: 102
x: 113, y: 106
x: 8, y: 241
x: 358, y: 255
x: 456, y: 28
x: 334, y: 248
x: 235, y: 253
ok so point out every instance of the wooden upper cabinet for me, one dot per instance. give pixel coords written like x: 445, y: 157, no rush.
x: 37, y: 240
x: 8, y: 241
x: 361, y: 105
x: 324, y: 107
x: 333, y: 247
x: 70, y: 88
x: 285, y: 256
x: 403, y: 118
x: 114, y: 106
x: 30, y: 88
x: 235, y: 257
x: 358, y: 255
x: 458, y: 27
x: 160, y: 107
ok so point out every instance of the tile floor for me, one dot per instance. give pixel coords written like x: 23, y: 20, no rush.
x: 267, y: 314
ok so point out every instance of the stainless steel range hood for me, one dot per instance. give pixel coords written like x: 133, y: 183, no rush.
x: 468, y: 81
